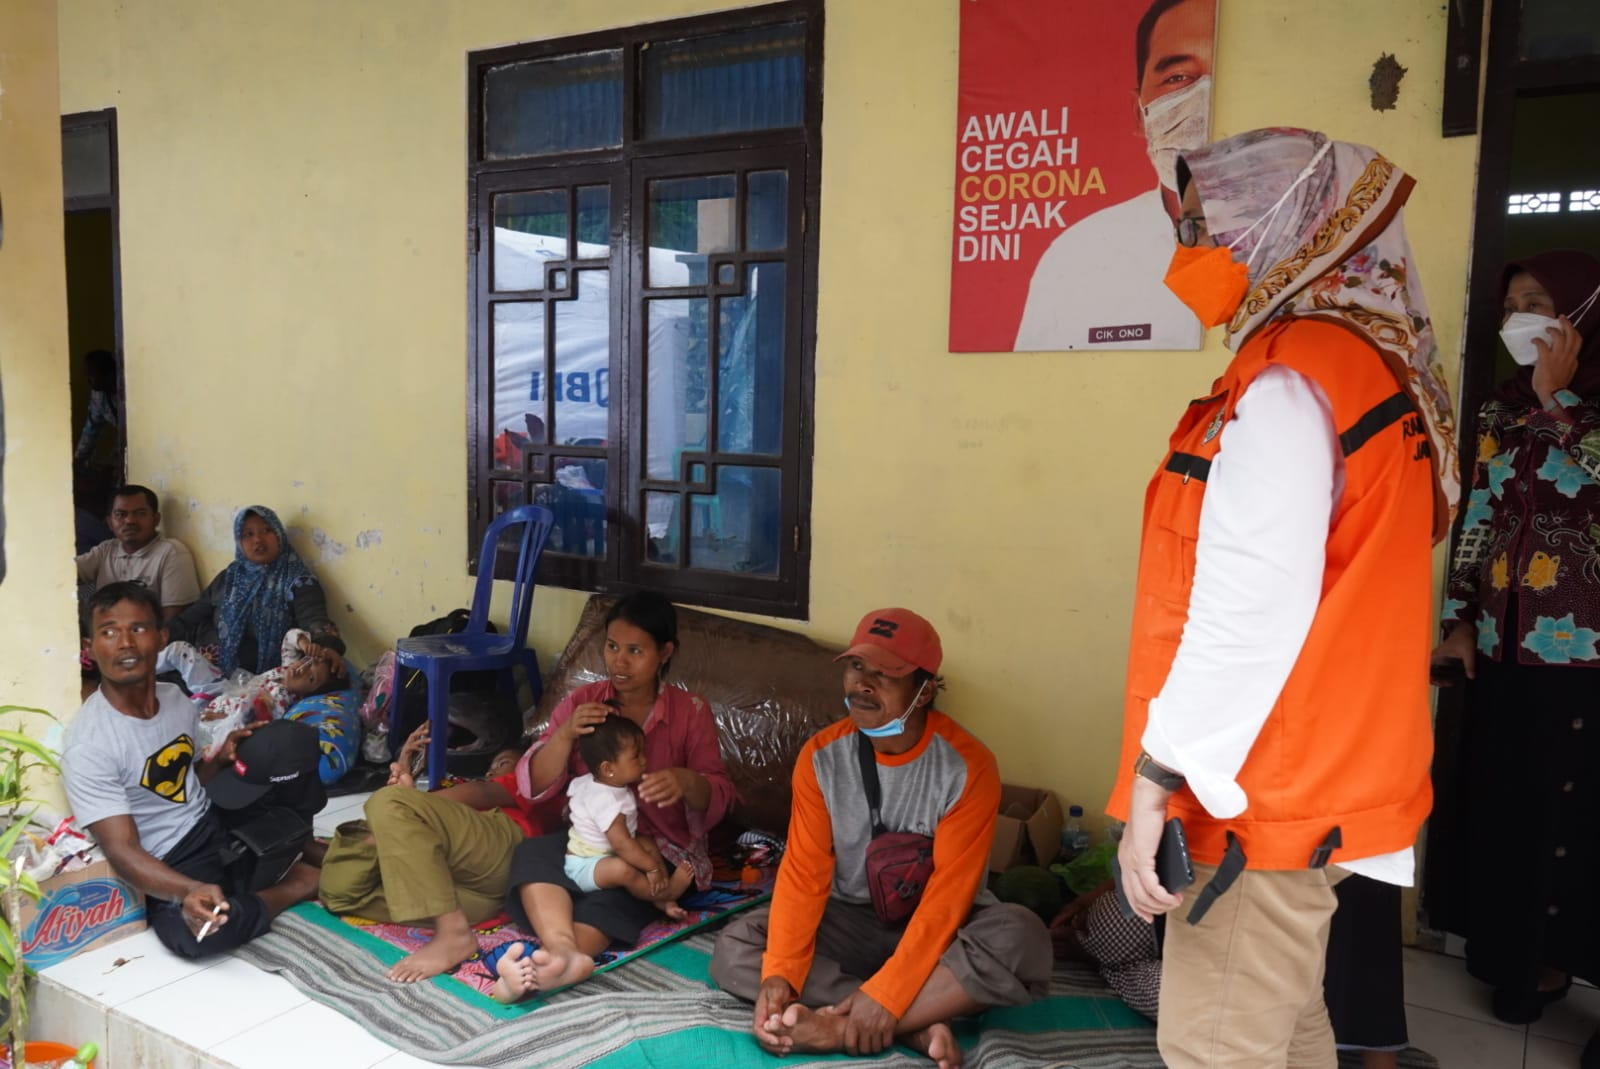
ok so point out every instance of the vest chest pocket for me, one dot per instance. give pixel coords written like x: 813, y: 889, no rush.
x: 1172, y: 520
x: 1175, y: 512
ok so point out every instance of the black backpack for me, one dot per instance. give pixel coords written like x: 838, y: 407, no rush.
x: 416, y: 684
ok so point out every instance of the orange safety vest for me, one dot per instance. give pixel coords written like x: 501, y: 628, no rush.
x: 1349, y: 741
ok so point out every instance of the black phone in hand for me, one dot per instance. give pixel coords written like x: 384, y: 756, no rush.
x: 1173, y: 867
x: 1448, y: 672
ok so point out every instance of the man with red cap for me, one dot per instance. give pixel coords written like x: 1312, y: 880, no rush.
x: 880, y: 928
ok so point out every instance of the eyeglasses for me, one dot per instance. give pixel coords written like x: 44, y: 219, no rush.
x: 1190, y: 229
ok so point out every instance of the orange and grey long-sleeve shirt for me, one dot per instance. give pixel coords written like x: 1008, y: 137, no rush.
x: 947, y: 786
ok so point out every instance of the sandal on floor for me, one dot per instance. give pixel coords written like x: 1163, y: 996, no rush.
x: 1524, y: 1006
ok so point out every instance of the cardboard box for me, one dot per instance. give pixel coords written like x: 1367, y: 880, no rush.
x: 1029, y: 828
x: 78, y: 910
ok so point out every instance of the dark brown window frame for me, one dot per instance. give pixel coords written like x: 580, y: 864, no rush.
x: 623, y: 568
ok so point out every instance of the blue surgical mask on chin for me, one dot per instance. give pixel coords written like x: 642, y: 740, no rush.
x: 897, y: 726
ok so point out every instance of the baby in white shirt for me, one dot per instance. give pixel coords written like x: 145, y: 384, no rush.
x: 604, y: 848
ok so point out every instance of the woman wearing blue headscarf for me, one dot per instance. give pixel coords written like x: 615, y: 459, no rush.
x: 254, y: 601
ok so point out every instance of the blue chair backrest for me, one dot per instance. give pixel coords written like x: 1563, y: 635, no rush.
x: 536, y: 521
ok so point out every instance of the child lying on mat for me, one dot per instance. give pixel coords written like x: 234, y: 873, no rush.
x: 603, y: 847
x: 307, y: 669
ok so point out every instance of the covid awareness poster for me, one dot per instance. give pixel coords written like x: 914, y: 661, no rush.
x: 1071, y: 117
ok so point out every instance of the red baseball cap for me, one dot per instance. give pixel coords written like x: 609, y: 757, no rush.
x: 895, y: 642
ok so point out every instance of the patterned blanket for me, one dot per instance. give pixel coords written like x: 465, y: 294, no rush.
x: 662, y: 1010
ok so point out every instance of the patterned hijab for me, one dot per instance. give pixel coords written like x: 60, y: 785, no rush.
x: 259, y: 596
x: 1335, y: 250
x: 1569, y: 277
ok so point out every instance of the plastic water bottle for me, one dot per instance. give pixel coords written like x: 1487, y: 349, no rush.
x: 1074, y: 837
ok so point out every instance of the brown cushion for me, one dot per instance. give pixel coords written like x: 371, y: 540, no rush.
x: 770, y: 690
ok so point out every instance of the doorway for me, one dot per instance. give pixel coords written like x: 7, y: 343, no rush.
x: 94, y: 317
x: 1538, y: 190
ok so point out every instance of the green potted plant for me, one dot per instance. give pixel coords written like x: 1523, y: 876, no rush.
x: 21, y: 758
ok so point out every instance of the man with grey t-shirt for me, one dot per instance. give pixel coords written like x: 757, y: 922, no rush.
x: 136, y: 783
x: 140, y: 552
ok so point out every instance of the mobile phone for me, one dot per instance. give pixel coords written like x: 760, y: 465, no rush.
x: 1173, y: 867
x: 1447, y: 673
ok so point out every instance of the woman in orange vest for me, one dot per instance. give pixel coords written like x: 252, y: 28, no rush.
x: 1277, y: 697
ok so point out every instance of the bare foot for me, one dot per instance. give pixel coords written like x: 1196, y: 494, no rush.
x: 814, y: 1031
x: 515, y: 969
x: 682, y: 878
x: 554, y: 970
x: 937, y: 1042
x: 777, y: 1038
x: 445, y: 952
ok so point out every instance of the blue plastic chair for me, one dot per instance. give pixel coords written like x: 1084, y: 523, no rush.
x: 476, y: 649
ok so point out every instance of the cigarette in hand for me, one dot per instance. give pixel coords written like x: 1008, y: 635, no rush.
x: 205, y: 929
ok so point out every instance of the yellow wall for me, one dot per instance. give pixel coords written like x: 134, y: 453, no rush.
x: 38, y: 630
x: 295, y: 320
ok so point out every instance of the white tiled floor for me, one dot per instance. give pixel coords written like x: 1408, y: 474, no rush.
x: 148, y: 1009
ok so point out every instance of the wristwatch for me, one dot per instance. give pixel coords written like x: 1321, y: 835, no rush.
x: 1144, y: 765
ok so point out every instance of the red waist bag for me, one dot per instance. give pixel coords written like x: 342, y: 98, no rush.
x: 898, y: 863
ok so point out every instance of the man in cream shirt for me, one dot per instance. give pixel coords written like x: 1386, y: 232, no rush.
x: 1101, y: 284
x: 140, y: 554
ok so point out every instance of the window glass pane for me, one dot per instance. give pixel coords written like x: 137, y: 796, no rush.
x: 86, y: 161
x: 751, y: 80
x: 594, y: 222
x: 507, y: 495
x: 1534, y: 203
x: 583, y: 361
x: 578, y: 498
x: 766, y: 220
x: 1560, y: 29
x: 677, y: 370
x: 736, y: 529
x: 1583, y: 200
x: 690, y: 218
x: 519, y: 373
x: 750, y: 341
x: 553, y: 105
x: 529, y: 229
x: 661, y: 527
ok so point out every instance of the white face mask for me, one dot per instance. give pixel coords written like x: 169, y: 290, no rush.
x: 1522, y: 329
x: 1519, y: 331
x: 1175, y: 124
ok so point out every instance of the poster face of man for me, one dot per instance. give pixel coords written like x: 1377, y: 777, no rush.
x: 1065, y: 207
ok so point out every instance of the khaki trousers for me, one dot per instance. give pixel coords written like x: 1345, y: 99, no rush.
x: 1243, y: 988
x: 429, y: 856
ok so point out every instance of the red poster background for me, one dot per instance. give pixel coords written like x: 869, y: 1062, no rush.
x: 1030, y: 56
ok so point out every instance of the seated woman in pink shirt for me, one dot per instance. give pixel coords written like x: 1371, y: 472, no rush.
x: 684, y: 795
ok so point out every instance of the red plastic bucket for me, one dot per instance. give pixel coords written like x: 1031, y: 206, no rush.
x: 41, y: 1052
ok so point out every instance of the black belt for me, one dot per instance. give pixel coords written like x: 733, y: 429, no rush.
x: 1233, y: 862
